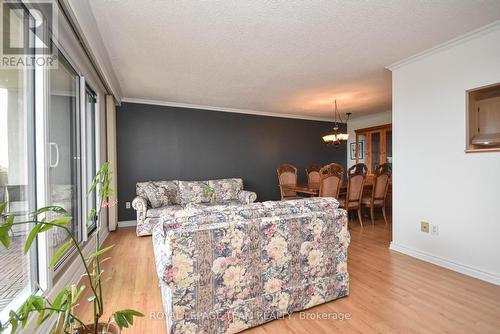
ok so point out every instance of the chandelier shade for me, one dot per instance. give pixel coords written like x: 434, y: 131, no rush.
x: 337, y: 136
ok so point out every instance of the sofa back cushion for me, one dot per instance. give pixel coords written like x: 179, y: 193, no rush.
x: 155, y: 195
x: 172, y: 190
x: 216, y: 214
x: 300, y: 206
x: 192, y: 192
x: 226, y: 189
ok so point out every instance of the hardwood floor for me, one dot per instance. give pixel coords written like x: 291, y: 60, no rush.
x: 389, y: 292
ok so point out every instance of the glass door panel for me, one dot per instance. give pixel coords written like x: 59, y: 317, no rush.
x: 388, y: 144
x: 375, y: 150
x: 63, y: 147
x: 17, y: 171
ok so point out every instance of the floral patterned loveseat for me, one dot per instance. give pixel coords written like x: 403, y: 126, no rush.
x: 155, y: 198
x: 226, y: 269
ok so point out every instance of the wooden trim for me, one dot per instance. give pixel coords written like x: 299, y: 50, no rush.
x: 368, y: 156
x: 472, y: 116
x: 357, y: 148
x: 383, y: 148
x: 478, y: 150
x: 374, y: 128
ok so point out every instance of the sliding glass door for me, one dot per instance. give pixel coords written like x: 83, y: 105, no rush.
x: 18, y: 273
x: 63, y: 147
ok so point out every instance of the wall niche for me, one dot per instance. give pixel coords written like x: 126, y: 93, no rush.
x: 483, y: 119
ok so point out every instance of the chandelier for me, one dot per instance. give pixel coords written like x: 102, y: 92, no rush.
x: 337, y: 136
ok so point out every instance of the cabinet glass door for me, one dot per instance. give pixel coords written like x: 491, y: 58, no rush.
x: 388, y: 148
x: 375, y: 151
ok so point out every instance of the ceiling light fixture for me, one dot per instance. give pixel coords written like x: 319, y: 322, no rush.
x: 337, y: 136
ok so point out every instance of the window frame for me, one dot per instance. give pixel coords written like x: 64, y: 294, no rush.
x: 29, y: 101
x: 88, y: 91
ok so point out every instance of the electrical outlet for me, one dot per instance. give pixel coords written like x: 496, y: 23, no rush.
x: 424, y: 227
x: 127, y: 205
x: 434, y: 229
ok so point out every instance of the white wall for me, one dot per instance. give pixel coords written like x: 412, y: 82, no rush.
x: 434, y: 179
x: 361, y: 122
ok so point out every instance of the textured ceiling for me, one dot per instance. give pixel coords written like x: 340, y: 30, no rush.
x: 290, y: 57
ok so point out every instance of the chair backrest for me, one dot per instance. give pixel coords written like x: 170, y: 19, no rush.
x: 330, y: 180
x: 287, y: 175
x: 381, y: 182
x: 312, y: 171
x: 356, y: 182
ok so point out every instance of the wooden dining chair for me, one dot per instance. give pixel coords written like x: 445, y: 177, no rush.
x: 287, y: 176
x: 330, y: 180
x: 381, y: 180
x: 356, y: 177
x: 312, y: 171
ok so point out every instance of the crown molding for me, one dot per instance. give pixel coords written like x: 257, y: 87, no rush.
x: 446, y: 45
x: 224, y: 109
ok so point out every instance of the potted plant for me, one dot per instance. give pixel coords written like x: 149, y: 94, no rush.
x: 63, y: 304
x: 210, y: 193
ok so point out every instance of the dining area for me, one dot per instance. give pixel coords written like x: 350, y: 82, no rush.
x: 356, y: 189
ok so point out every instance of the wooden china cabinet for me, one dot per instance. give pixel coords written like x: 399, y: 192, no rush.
x: 376, y: 146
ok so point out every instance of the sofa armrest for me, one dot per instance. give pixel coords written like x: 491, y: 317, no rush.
x: 247, y: 197
x: 141, y: 206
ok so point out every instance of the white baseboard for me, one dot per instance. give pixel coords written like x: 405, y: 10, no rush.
x: 439, y: 261
x: 127, y: 223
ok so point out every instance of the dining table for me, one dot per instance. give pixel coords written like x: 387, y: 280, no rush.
x: 308, y: 189
x: 312, y: 189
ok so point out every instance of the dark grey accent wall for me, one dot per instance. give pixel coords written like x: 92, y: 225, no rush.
x: 168, y: 143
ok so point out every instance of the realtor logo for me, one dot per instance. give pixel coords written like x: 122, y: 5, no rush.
x: 27, y: 30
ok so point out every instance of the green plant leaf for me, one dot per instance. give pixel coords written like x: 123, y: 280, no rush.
x: 37, y: 302
x: 61, y: 221
x: 129, y: 317
x: 53, y: 208
x: 132, y: 312
x: 41, y: 318
x: 60, y: 252
x: 31, y: 237
x: 4, y: 231
x: 45, y: 227
x: 56, y: 304
x: 91, y: 216
x: 2, y: 207
x: 77, y: 295
x: 120, y: 320
x: 66, y: 320
x: 14, y: 324
x: 126, y: 316
x: 99, y: 252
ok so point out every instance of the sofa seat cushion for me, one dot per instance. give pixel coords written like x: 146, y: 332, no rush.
x: 192, y: 192
x: 226, y: 189
x: 164, y: 210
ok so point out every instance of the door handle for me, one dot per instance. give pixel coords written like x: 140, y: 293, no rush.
x: 56, y: 163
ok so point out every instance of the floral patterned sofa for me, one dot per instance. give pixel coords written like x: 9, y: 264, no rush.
x: 226, y: 269
x: 155, y: 198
